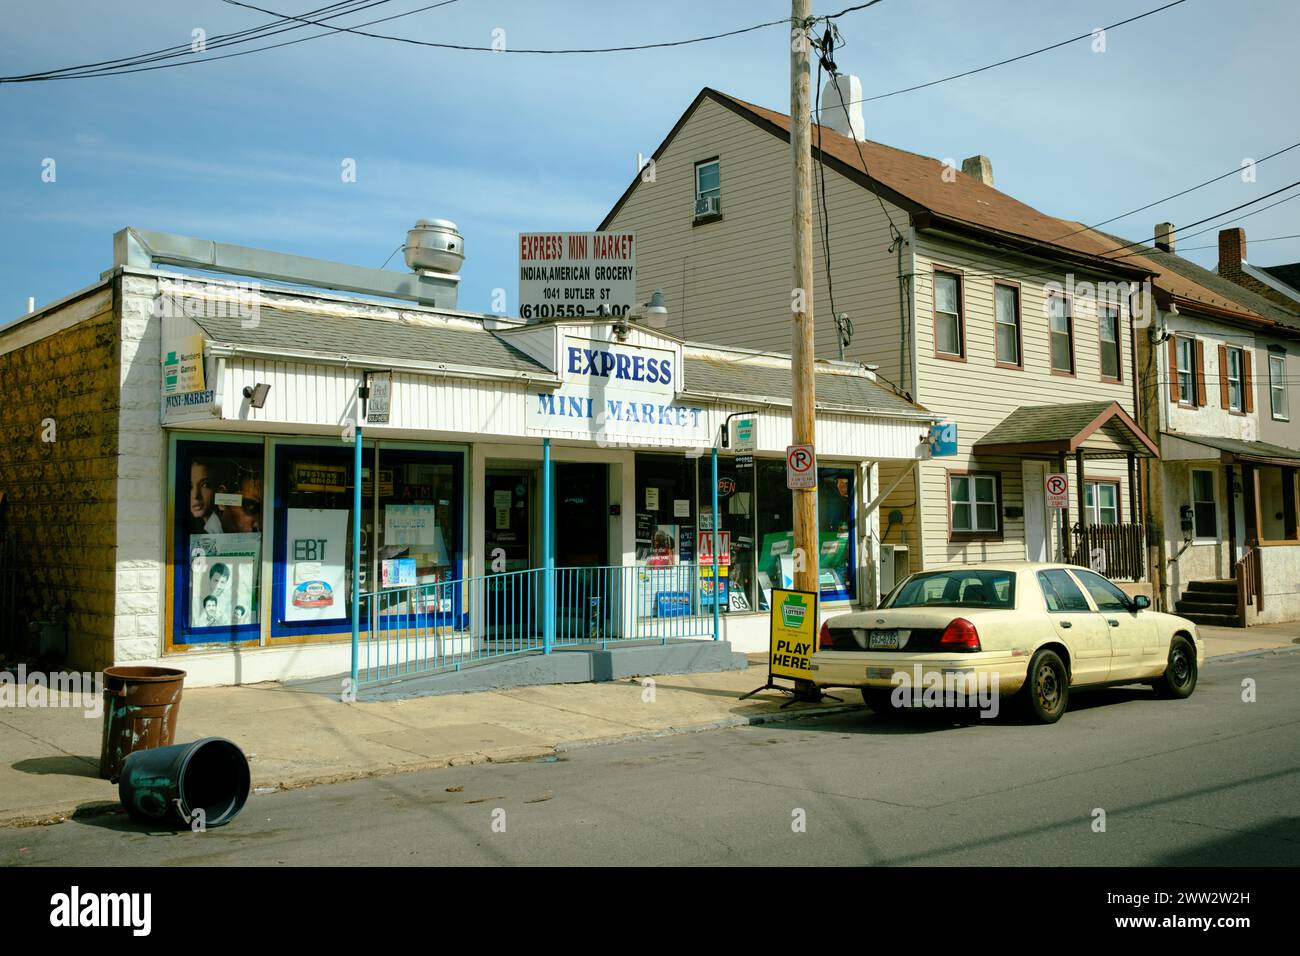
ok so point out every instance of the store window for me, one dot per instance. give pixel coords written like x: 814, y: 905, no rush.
x: 736, y: 506
x: 420, y: 502
x: 217, y: 557
x: 774, y: 526
x: 665, y: 534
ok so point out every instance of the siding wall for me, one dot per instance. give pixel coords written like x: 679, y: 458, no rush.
x: 977, y: 395
x: 730, y: 281
x: 1276, y: 431
x: 62, y: 494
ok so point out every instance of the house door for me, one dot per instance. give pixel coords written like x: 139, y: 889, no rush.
x: 1034, y: 473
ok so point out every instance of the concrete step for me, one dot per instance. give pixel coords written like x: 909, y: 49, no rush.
x: 1214, y: 620
x: 1190, y: 605
x: 1213, y: 587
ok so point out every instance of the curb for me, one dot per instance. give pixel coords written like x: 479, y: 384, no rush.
x: 49, y: 816
x: 1261, y: 652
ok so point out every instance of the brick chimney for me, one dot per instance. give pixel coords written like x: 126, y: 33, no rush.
x: 979, y: 167
x: 1165, y: 236
x: 1232, y: 262
x: 1232, y: 252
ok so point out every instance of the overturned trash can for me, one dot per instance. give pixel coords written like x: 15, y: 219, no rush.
x: 198, y: 785
x: 141, y: 705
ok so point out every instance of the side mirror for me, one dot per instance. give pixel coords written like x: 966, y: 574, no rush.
x: 1141, y: 602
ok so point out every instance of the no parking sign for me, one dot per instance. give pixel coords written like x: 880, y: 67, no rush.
x: 1057, y: 490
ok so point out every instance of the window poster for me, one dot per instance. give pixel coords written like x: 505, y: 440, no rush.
x: 316, y: 556
x: 219, y: 524
x: 223, y: 579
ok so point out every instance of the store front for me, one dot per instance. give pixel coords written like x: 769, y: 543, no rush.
x: 564, y: 485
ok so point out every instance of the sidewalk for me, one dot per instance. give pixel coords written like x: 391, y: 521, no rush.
x: 49, y: 757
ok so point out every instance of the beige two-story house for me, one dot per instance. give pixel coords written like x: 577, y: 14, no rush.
x: 1011, y: 323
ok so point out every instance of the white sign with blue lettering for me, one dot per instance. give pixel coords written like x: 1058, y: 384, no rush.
x: 612, y: 412
x: 619, y: 367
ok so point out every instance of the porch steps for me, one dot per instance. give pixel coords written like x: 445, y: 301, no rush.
x: 1212, y: 603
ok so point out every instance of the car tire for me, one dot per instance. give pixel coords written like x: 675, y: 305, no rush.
x: 1047, y: 688
x: 1179, y: 679
x: 879, y: 699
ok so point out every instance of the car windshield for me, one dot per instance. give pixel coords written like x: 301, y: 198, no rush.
x: 959, y: 588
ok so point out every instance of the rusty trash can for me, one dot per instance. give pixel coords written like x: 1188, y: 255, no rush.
x: 141, y: 705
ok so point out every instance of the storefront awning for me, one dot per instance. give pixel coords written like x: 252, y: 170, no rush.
x: 1097, y: 429
x: 1233, y: 450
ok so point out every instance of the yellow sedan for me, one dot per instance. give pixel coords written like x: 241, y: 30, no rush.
x: 979, y: 634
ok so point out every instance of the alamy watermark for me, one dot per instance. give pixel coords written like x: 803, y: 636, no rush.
x: 954, y: 689
x: 36, y: 689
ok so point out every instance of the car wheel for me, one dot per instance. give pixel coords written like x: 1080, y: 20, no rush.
x: 1047, y: 688
x: 879, y: 700
x: 1179, y: 678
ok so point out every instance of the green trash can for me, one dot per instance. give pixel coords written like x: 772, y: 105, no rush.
x: 205, y: 783
x: 141, y: 705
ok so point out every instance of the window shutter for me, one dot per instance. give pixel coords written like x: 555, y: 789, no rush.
x: 1223, y: 376
x: 1201, y: 395
x: 1247, y: 383
x: 1173, y: 369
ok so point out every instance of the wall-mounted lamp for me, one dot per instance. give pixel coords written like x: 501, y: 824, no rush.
x: 256, y: 394
x: 654, y: 313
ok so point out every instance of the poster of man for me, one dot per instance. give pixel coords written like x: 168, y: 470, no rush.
x: 223, y: 578
x: 222, y: 513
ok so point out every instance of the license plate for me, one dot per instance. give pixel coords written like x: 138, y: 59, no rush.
x: 882, y: 640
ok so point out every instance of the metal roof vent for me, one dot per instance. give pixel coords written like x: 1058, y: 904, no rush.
x: 435, y: 245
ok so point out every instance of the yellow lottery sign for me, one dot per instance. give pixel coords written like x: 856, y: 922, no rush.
x: 793, y: 634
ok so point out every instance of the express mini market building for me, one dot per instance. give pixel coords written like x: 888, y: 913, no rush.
x: 524, y: 485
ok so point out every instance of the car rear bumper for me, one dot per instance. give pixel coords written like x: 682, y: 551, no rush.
x: 1005, y: 672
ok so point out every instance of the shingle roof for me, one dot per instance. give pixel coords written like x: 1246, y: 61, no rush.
x: 1241, y: 449
x: 918, y: 183
x: 1288, y: 273
x: 733, y: 374
x: 1186, y: 279
x: 1065, y: 427
x: 286, y: 330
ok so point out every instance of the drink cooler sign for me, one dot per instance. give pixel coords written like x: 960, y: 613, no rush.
x: 571, y: 274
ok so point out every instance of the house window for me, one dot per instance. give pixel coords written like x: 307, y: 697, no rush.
x: 1101, y: 501
x: 1007, y: 318
x: 1234, y: 374
x: 947, y: 314
x: 1186, y: 363
x: 1062, y: 330
x: 1205, y: 512
x: 1108, y: 326
x: 973, y: 504
x: 1277, y: 387
x: 708, y: 189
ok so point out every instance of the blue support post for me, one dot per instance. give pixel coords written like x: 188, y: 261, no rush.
x: 717, y: 519
x: 356, y: 556
x: 548, y: 553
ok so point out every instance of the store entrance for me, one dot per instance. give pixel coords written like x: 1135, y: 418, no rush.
x: 583, y: 588
x: 511, y: 600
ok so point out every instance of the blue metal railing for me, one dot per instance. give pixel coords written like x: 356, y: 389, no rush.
x: 449, y: 624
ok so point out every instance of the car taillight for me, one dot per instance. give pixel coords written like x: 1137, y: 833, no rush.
x: 960, y: 634
x: 824, y: 638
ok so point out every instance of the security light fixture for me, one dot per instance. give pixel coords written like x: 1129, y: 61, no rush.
x: 654, y: 312
x: 256, y: 394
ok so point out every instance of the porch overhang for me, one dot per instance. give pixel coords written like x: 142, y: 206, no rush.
x: 1232, y: 451
x: 1091, y: 429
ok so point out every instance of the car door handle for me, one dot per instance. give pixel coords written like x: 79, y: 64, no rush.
x: 1066, y: 624
x: 1112, y: 622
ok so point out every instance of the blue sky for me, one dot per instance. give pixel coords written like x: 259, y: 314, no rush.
x: 248, y: 150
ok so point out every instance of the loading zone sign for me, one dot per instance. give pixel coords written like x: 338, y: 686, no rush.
x: 1057, y: 490
x: 800, y: 467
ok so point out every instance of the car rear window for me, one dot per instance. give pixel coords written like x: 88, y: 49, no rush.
x: 1060, y: 592
x: 958, y: 588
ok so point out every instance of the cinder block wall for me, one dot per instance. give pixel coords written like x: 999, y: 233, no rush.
x: 62, y: 493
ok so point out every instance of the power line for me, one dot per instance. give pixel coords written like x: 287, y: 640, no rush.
x: 1014, y: 59
x: 507, y: 49
x: 212, y: 59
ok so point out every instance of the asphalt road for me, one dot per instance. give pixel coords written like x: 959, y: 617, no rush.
x: 1211, y: 781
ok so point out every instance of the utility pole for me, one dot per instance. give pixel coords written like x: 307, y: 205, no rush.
x: 803, y: 417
